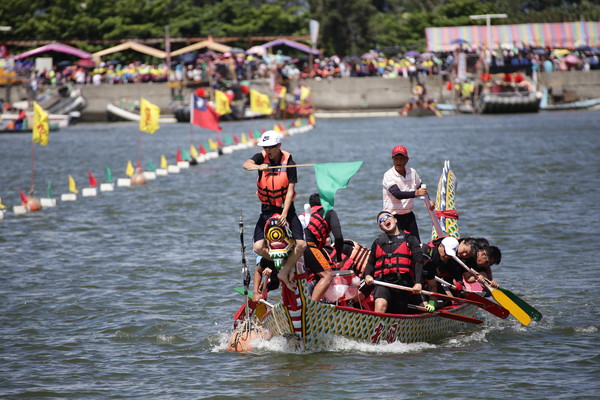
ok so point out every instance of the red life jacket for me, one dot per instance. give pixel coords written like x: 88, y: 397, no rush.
x: 399, y: 261
x: 272, y: 184
x: 318, y: 226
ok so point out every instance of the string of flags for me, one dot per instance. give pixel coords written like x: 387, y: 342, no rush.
x: 134, y: 173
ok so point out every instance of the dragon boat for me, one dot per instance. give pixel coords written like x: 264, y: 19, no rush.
x: 307, y: 323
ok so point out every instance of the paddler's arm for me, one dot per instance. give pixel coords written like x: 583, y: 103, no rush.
x: 407, y: 194
x: 370, y: 268
x: 336, y: 230
x: 417, y: 258
x: 255, y: 163
x: 289, y: 199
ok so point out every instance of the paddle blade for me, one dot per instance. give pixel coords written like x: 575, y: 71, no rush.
x: 532, y: 312
x: 488, y: 305
x: 240, y: 290
x: 510, y: 305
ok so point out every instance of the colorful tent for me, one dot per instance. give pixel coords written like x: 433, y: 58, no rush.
x: 130, y: 45
x: 59, y: 47
x: 209, y: 43
x: 292, y: 44
x: 553, y: 35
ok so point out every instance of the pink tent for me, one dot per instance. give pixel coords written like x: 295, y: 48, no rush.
x: 62, y: 48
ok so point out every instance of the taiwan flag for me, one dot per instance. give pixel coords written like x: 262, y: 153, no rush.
x: 203, y: 115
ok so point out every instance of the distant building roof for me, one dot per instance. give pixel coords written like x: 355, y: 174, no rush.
x: 59, y: 47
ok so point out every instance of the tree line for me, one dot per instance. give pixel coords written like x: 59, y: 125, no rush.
x: 347, y: 27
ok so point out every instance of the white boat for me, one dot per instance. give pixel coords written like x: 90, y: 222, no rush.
x: 122, y: 111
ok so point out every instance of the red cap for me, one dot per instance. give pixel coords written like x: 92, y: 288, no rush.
x: 399, y: 150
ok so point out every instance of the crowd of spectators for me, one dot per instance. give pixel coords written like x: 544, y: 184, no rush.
x: 237, y: 67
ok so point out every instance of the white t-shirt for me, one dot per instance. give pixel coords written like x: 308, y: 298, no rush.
x: 405, y: 183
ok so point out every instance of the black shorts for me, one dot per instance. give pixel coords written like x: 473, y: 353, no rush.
x: 316, y: 260
x: 293, y: 220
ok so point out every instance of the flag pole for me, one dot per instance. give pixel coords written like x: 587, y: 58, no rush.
x: 291, y: 166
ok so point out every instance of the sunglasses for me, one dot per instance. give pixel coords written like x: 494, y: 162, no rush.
x: 385, y: 217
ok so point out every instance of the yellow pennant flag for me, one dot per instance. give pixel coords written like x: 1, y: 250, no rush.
x: 149, y: 114
x: 298, y: 122
x: 2, y: 206
x: 311, y: 119
x: 282, y: 94
x: 41, y: 129
x: 244, y: 139
x: 276, y: 128
x: 222, y: 103
x: 304, y: 93
x: 260, y: 103
x: 212, y: 144
x: 129, y: 171
x: 163, y: 162
x: 72, y: 185
x: 194, y: 152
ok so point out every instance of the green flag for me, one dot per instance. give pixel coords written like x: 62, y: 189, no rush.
x: 49, y: 189
x: 151, y: 166
x: 331, y: 177
x: 185, y: 155
x: 108, y: 174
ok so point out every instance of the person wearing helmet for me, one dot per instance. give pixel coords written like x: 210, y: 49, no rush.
x: 400, y: 187
x: 276, y: 184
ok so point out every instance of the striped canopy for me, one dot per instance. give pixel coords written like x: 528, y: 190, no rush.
x: 554, y: 35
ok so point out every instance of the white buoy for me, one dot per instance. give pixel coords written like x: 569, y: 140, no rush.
x: 227, y: 150
x: 201, y: 158
x: 68, y: 197
x: 107, y: 187
x: 48, y: 202
x: 89, y: 192
x: 161, y: 172
x: 150, y: 175
x: 173, y: 169
x: 2, y: 214
x: 123, y: 182
x: 183, y: 164
x: 19, y: 210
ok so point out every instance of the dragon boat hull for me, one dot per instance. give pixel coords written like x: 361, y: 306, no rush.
x: 310, y: 322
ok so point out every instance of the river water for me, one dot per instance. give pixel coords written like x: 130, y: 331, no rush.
x: 129, y: 295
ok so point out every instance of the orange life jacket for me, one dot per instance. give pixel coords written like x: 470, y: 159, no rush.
x: 272, y: 184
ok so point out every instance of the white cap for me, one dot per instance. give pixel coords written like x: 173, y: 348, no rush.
x: 269, y: 138
x: 450, y: 246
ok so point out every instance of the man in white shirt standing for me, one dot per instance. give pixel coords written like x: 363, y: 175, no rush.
x: 400, y: 187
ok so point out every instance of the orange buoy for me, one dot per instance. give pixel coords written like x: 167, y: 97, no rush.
x: 241, y: 337
x: 138, y: 177
x: 33, y: 204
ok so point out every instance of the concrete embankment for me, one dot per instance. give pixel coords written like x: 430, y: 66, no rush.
x: 374, y: 96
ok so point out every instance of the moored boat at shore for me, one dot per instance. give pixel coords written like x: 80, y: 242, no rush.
x: 125, y: 109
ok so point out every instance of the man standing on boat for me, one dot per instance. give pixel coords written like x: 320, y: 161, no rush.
x: 400, y: 187
x: 275, y: 189
x: 396, y: 257
x: 316, y: 259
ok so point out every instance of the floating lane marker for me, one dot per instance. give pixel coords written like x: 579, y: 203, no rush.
x: 183, y: 164
x: 123, y: 182
x: 173, y: 169
x: 2, y: 214
x: 161, y: 172
x: 150, y: 175
x: 68, y: 197
x: 89, y: 192
x: 19, y: 210
x: 107, y: 187
x: 48, y: 202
